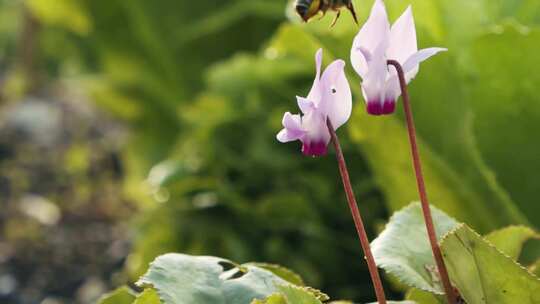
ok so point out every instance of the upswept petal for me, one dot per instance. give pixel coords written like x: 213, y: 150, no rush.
x: 337, y: 97
x: 315, y: 92
x: 292, y: 128
x: 410, y: 66
x: 375, y: 30
x: 403, y: 37
x: 292, y: 122
x: 410, y: 69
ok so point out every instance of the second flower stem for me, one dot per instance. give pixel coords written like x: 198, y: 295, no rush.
x: 449, y: 290
x: 364, y: 241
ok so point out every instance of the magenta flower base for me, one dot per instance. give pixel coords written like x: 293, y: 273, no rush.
x: 378, y: 108
x: 315, y: 149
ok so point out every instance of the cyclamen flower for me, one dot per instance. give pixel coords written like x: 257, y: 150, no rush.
x: 377, y: 42
x: 329, y: 98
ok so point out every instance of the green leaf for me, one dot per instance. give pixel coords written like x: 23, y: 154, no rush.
x: 403, y: 248
x: 301, y: 295
x: 483, y: 274
x: 510, y: 240
x: 282, y: 272
x: 507, y: 102
x: 393, y: 171
x: 180, y: 278
x: 148, y: 296
x: 122, y: 295
x: 397, y: 302
x: 535, y: 268
x: 273, y: 299
x: 291, y: 294
x: 424, y: 297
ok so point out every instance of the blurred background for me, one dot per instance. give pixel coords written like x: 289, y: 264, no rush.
x: 134, y: 128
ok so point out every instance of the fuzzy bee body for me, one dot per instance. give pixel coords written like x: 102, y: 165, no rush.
x: 307, y: 9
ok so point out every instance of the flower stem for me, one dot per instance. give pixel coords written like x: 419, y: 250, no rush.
x: 375, y: 278
x: 450, y: 294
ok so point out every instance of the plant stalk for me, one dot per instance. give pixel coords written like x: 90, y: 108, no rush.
x: 359, y: 224
x: 449, y: 290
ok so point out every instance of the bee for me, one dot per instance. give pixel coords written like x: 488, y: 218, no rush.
x: 310, y: 8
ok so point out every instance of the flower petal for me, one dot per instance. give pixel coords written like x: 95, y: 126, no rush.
x: 374, y: 83
x: 410, y: 66
x: 305, y: 104
x: 392, y: 88
x: 292, y: 128
x: 375, y: 30
x: 315, y: 92
x: 336, y: 102
x: 403, y: 37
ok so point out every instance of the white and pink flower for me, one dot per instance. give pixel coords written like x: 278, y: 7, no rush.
x: 375, y: 44
x: 330, y: 98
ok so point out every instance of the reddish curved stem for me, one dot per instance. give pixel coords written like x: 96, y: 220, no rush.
x: 450, y: 293
x: 359, y: 224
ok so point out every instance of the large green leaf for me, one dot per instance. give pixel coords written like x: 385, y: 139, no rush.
x: 483, y: 274
x: 510, y: 240
x: 403, y: 248
x: 447, y: 189
x: 504, y: 97
x: 424, y: 297
x: 180, y: 279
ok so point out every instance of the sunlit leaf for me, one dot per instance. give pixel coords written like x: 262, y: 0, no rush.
x: 403, y: 248
x: 483, y: 274
x: 510, y: 240
x: 148, y: 296
x: 300, y: 295
x: 121, y: 295
x: 424, y: 297
x: 273, y: 299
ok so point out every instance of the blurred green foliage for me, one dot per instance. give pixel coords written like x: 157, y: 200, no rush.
x: 203, y: 84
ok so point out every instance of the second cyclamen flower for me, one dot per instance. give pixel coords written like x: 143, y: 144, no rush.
x: 376, y: 43
x: 329, y: 98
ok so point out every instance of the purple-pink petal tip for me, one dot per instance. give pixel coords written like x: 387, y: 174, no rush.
x: 314, y: 149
